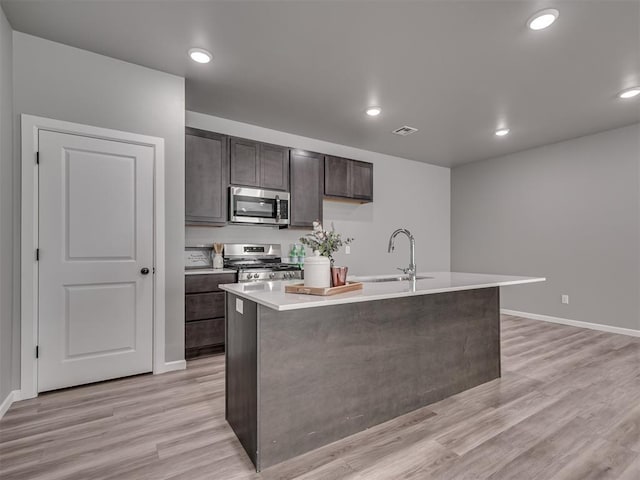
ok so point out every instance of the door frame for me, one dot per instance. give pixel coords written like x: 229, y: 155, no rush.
x: 29, y: 295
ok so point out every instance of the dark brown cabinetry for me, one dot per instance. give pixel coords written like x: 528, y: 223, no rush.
x: 213, y: 161
x: 204, y: 313
x: 348, y: 179
x: 362, y: 180
x: 336, y: 176
x: 274, y: 167
x: 206, y: 177
x: 255, y: 164
x: 307, y: 187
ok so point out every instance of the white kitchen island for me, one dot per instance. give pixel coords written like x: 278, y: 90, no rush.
x: 272, y: 294
x: 303, y: 371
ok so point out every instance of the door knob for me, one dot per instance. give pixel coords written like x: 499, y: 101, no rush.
x: 144, y: 271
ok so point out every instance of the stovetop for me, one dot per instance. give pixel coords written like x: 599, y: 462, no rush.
x: 277, y: 267
x: 259, y: 262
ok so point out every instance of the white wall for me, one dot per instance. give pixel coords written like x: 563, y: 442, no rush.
x: 56, y: 81
x: 568, y: 211
x: 8, y: 323
x: 407, y: 194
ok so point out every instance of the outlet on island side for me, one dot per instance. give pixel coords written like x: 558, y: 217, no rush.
x: 565, y: 299
x: 347, y: 249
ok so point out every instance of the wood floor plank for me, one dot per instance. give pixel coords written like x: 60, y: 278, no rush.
x: 566, y: 407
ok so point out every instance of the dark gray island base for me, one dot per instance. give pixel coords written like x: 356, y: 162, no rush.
x: 299, y: 379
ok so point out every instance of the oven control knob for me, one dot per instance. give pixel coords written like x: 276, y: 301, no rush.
x: 272, y: 275
x: 249, y: 276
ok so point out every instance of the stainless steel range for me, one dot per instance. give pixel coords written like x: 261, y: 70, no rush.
x: 259, y: 262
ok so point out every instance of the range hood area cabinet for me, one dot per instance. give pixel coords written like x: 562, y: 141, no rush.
x: 214, y: 161
x: 348, y: 179
x: 260, y: 165
x: 307, y: 187
x: 206, y: 177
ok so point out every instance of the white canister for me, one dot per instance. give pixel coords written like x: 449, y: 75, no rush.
x: 218, y: 261
x: 317, y: 271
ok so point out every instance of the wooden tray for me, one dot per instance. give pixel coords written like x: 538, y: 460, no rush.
x: 300, y: 288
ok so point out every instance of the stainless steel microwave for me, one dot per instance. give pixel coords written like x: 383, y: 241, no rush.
x: 254, y: 205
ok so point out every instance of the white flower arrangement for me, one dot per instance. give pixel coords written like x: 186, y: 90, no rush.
x: 324, y: 241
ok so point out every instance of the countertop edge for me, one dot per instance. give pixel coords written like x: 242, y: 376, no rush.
x: 208, y: 271
x: 336, y: 300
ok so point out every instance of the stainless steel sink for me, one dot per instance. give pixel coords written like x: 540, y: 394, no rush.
x: 398, y: 278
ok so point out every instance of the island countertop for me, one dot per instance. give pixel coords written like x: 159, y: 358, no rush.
x: 272, y: 294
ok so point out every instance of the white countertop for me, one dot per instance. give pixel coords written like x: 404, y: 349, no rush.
x: 208, y: 271
x: 272, y: 295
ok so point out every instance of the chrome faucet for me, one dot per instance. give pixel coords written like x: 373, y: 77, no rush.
x: 411, y: 271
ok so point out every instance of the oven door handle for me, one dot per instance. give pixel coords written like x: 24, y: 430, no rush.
x: 278, y: 211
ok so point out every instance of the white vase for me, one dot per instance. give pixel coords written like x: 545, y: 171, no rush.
x: 317, y: 271
x: 218, y: 261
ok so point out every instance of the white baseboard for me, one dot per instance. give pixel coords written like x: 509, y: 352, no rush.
x: 574, y: 323
x: 171, y: 366
x: 13, y: 396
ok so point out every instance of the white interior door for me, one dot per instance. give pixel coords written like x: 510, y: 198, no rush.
x: 95, y: 314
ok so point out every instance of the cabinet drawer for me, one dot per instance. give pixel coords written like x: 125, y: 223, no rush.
x: 204, y: 333
x: 199, y: 306
x: 207, y: 283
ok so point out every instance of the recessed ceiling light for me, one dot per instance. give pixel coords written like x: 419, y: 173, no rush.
x: 200, y: 55
x: 543, y: 19
x: 629, y: 93
x: 501, y: 132
x: 374, y: 111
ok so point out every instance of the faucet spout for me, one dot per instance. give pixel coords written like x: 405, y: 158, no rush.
x: 411, y: 270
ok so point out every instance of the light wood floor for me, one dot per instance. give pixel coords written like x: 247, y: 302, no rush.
x: 567, y: 407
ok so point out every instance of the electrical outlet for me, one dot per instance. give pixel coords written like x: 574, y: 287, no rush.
x: 347, y: 249
x: 565, y: 299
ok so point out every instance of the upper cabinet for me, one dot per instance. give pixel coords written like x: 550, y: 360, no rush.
x: 260, y: 165
x: 215, y: 161
x: 336, y: 177
x: 307, y: 187
x: 348, y: 179
x: 206, y: 177
x: 245, y: 162
x: 362, y: 180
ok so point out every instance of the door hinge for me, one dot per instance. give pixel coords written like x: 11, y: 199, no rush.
x: 37, y: 254
x: 37, y: 158
x: 37, y: 351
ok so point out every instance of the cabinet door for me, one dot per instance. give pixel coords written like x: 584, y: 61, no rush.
x: 362, y: 180
x: 274, y: 167
x: 337, y: 182
x: 307, y: 187
x: 206, y: 177
x: 199, y: 306
x: 204, y: 283
x: 245, y: 162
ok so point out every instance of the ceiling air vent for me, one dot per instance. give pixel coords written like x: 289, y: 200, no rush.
x: 404, y: 131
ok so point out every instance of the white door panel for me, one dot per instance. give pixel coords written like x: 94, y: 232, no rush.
x: 100, y: 203
x: 96, y: 234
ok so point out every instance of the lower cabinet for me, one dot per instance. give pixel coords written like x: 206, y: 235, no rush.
x: 204, y: 313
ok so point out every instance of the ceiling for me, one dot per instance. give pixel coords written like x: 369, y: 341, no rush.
x: 456, y: 70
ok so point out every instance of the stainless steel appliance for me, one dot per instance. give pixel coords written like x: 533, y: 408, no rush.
x: 259, y: 262
x: 254, y: 205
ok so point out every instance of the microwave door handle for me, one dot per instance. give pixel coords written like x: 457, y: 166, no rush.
x: 278, y: 209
